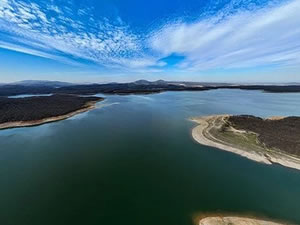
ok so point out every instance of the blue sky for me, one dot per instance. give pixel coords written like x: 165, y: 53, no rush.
x: 125, y: 40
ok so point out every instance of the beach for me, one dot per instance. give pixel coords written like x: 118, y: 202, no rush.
x: 235, y: 220
x: 203, y: 135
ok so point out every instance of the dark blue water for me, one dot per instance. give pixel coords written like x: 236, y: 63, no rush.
x: 133, y: 161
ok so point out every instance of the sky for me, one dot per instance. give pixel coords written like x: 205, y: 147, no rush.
x: 127, y: 40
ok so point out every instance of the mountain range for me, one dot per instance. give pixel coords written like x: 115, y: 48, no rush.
x: 137, y: 87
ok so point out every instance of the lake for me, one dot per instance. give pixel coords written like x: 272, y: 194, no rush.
x: 132, y: 161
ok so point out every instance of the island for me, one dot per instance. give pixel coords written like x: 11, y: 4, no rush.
x: 31, y: 111
x: 231, y: 220
x: 270, y: 140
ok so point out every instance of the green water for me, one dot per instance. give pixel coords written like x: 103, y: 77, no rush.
x: 134, y: 162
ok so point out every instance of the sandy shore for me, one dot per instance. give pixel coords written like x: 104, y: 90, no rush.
x: 230, y: 220
x: 87, y: 107
x: 202, y: 135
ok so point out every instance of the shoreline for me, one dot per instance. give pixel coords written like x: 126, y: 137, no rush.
x: 201, y: 134
x: 235, y: 220
x: 18, y: 124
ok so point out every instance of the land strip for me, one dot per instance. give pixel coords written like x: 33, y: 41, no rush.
x: 274, y: 140
x: 32, y: 111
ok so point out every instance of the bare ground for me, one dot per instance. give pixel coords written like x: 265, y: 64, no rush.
x: 230, y: 220
x: 220, y: 132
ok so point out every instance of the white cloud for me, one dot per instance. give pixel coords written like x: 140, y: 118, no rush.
x: 262, y: 37
x: 230, y: 39
x: 54, y: 8
x: 34, y: 52
x: 102, y: 42
x: 4, y: 3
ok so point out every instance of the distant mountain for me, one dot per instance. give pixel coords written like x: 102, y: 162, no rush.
x: 45, y: 83
x: 142, y: 82
x: 137, y: 87
x: 146, y: 82
x: 160, y: 82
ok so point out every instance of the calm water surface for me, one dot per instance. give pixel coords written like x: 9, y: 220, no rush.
x: 25, y: 96
x: 133, y: 161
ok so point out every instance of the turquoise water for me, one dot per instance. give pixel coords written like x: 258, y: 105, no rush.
x: 133, y: 161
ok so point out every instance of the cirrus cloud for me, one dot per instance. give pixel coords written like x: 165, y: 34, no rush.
x: 242, y: 38
x: 248, y: 38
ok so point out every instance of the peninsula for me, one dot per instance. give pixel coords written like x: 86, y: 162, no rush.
x: 65, y: 101
x: 271, y: 140
x: 31, y: 111
x: 230, y: 220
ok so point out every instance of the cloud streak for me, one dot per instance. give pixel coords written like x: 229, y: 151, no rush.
x: 262, y: 37
x: 241, y: 38
x: 29, y: 25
